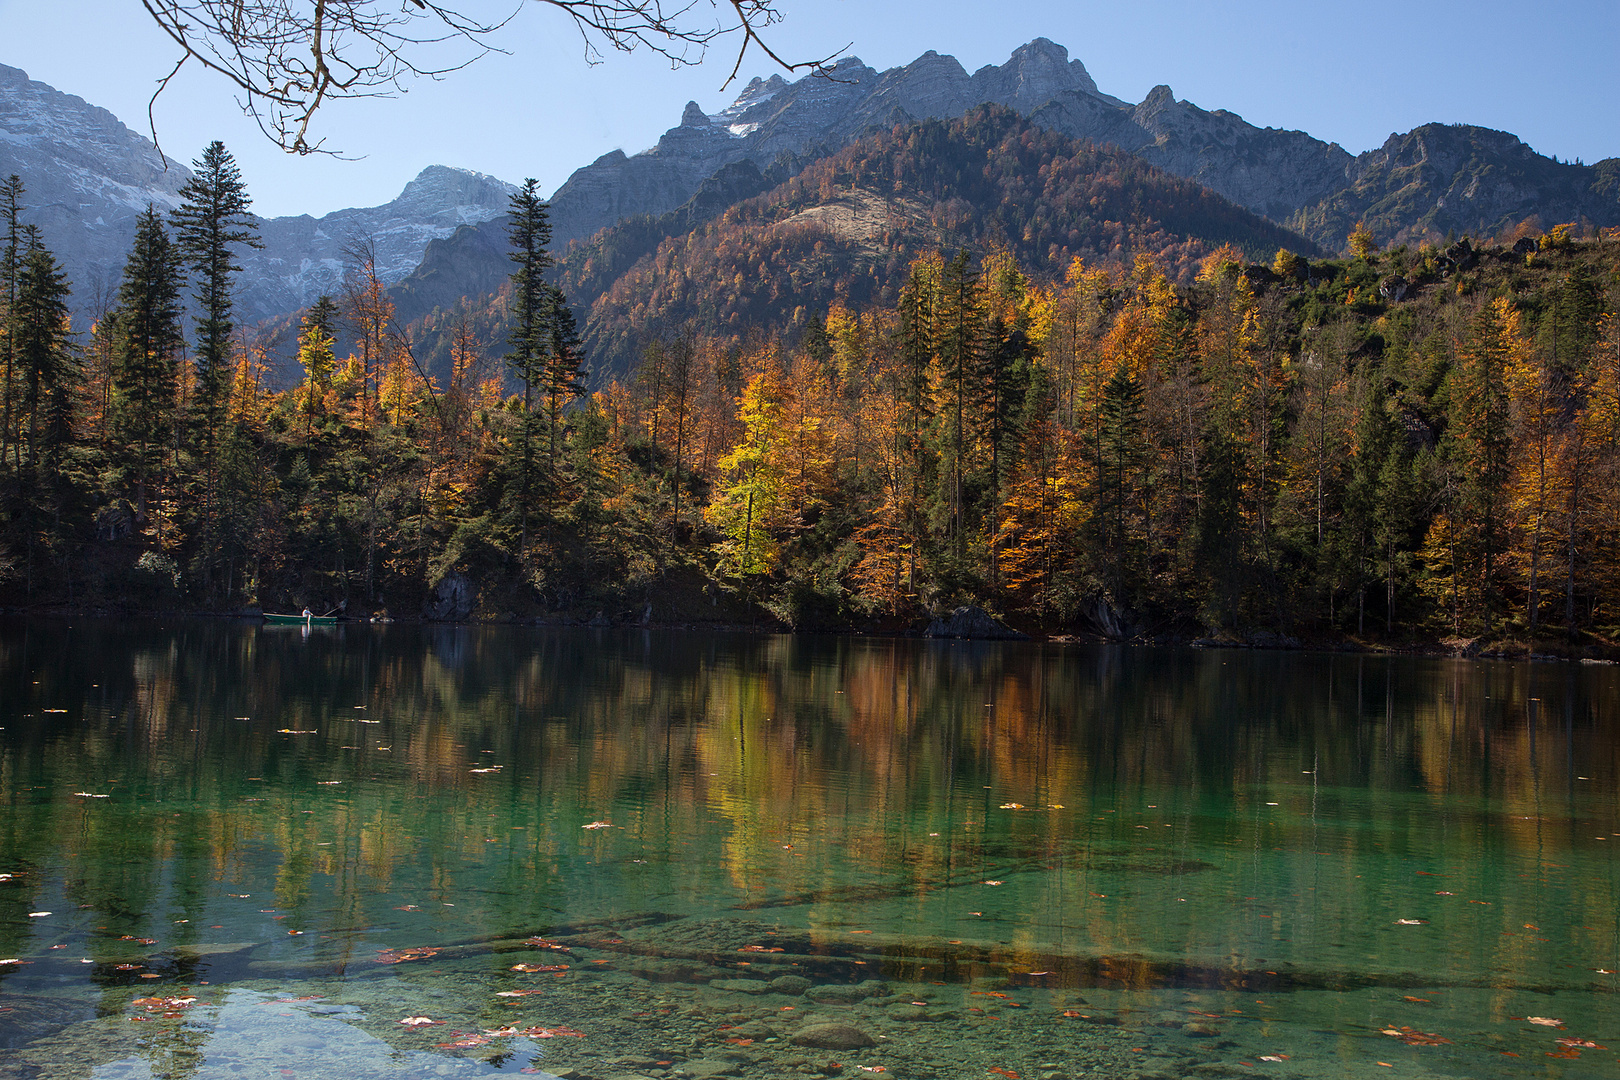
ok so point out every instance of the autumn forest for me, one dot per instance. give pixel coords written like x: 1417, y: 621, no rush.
x: 1408, y: 444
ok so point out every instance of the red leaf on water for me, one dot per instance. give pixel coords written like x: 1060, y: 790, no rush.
x: 399, y: 956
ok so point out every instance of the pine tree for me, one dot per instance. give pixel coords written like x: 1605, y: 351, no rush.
x: 961, y: 342
x: 1479, y: 403
x: 1122, y: 453
x: 213, y: 218
x: 45, y: 356
x: 11, y: 193
x: 564, y: 381
x: 532, y: 306
x: 149, y: 343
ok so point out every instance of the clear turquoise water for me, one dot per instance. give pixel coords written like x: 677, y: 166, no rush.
x: 985, y: 859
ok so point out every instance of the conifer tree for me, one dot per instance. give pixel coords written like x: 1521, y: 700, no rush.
x: 45, y: 356
x: 1122, y: 453
x: 210, y: 221
x: 961, y: 342
x: 532, y: 308
x: 564, y: 381
x: 148, y: 349
x: 11, y: 193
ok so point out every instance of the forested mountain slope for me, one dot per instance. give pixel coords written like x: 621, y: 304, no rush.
x: 845, y: 229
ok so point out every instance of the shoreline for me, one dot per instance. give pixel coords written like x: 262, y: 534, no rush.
x: 1590, y: 652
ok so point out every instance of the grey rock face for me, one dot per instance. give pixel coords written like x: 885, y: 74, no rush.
x: 452, y: 599
x: 972, y: 622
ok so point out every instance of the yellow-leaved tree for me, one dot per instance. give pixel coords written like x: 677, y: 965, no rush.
x: 752, y: 497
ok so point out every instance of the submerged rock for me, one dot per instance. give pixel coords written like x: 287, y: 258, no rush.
x: 833, y: 1037
x: 741, y: 986
x: 793, y: 985
x: 846, y: 994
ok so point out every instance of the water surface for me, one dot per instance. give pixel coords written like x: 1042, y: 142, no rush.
x: 235, y: 851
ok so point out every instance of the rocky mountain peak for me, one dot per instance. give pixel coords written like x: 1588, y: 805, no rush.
x: 1034, y: 74
x: 439, y: 186
x: 694, y: 116
x: 1159, y: 98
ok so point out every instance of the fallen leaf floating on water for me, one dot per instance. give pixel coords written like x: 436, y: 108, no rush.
x: 1410, y: 922
x: 89, y: 795
x: 598, y: 825
x: 1413, y: 1037
x: 1273, y: 1057
x: 419, y: 1021
x: 505, y: 1032
x: 553, y: 1033
x: 14, y: 960
x: 1584, y: 1044
x: 141, y: 940
x: 165, y: 1004
x: 464, y: 1042
x: 1012, y: 806
x: 1008, y: 1073
x: 532, y: 968
x: 542, y: 943
x: 128, y: 967
x: 992, y: 883
x: 1545, y: 1021
x: 399, y: 956
x: 493, y: 768
x: 517, y: 993
x: 294, y: 731
x: 1409, y: 997
x: 766, y: 948
x: 38, y: 914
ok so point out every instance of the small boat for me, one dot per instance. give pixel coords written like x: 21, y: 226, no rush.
x: 300, y: 620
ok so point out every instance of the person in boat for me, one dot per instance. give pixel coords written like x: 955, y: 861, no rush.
x: 307, y: 614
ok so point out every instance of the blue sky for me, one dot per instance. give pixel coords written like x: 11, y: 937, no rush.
x: 1350, y: 73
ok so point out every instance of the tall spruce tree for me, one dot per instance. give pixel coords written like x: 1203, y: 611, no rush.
x: 532, y: 308
x: 11, y: 193
x: 45, y: 356
x: 564, y: 381
x: 149, y: 339
x: 210, y: 221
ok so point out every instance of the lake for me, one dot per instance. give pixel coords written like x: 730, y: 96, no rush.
x: 229, y: 850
